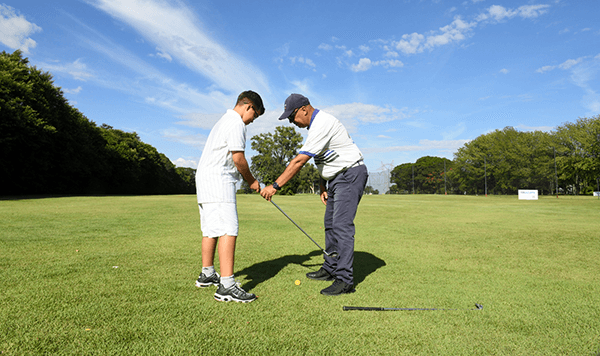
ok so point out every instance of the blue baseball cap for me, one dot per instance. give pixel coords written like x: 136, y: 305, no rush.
x: 292, y: 103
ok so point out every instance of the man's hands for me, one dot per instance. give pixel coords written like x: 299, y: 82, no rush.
x: 290, y: 171
x: 324, y: 197
x: 268, y: 192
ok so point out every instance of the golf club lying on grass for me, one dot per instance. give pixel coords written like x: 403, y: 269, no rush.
x: 330, y: 254
x: 477, y: 307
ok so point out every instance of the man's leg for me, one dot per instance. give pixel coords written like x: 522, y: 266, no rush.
x: 331, y: 243
x: 347, y: 189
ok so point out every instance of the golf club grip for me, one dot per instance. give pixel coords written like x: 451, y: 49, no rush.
x: 362, y: 308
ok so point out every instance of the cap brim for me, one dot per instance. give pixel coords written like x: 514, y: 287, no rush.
x: 286, y: 114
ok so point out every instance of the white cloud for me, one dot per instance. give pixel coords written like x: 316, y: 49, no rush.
x: 394, y: 63
x: 499, y: 13
x: 78, y: 70
x: 173, y: 28
x: 583, y: 73
x: 187, y: 162
x: 325, y: 47
x: 423, y: 145
x: 414, y: 43
x: 545, y: 69
x: 73, y: 91
x: 565, y: 65
x: 162, y: 54
x: 364, y: 49
x: 570, y: 63
x: 454, y: 132
x: 534, y: 128
x: 410, y: 44
x: 455, y: 32
x: 504, y: 71
x: 15, y: 30
x: 367, y: 113
x: 306, y: 61
x: 200, y: 120
x: 532, y: 11
x: 363, y: 65
x: 185, y: 137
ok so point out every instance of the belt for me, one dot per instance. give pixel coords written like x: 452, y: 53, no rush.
x: 357, y: 163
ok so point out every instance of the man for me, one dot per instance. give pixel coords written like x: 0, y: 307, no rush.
x: 343, y: 180
x: 219, y: 169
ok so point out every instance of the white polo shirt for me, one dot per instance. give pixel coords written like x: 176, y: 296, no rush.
x: 216, y: 175
x: 330, y: 145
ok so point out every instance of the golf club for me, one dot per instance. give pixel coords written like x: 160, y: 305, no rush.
x: 477, y: 307
x: 330, y: 254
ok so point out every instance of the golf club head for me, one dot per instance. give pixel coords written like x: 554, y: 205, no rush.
x: 333, y: 254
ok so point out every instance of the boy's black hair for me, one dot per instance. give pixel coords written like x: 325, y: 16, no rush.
x: 254, y: 98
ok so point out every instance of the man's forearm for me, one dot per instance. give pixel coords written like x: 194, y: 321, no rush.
x: 292, y: 169
x: 322, y: 184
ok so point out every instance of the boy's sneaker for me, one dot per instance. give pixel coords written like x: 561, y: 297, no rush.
x: 212, y: 280
x: 235, y: 293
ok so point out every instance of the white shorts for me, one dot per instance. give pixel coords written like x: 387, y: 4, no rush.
x: 218, y: 219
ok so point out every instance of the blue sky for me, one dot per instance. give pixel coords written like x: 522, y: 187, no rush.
x: 407, y: 78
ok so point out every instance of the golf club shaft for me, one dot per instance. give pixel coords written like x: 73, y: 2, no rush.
x: 286, y: 215
x: 477, y: 307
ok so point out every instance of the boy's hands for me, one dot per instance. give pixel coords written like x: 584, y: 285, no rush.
x: 255, y: 186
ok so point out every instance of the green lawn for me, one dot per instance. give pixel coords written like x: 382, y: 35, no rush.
x: 115, y: 276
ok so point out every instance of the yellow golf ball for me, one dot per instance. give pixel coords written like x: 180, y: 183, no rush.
x: 297, y: 282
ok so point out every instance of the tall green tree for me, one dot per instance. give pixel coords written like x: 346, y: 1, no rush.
x: 578, y: 151
x: 48, y: 147
x: 275, y: 151
x: 507, y: 160
x: 428, y: 174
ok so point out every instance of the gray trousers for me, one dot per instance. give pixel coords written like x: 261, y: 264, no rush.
x: 344, y: 193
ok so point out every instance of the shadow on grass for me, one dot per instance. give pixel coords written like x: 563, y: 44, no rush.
x: 364, y: 264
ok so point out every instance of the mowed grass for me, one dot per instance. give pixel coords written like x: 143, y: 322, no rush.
x: 115, y: 276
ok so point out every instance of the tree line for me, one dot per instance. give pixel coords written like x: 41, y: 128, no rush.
x: 49, y: 147
x: 563, y: 161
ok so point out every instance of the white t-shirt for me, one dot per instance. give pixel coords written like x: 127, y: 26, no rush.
x: 330, y: 145
x: 216, y: 175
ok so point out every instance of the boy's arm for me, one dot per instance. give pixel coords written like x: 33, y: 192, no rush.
x: 239, y: 159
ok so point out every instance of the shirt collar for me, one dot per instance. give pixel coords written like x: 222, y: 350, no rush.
x: 315, y: 112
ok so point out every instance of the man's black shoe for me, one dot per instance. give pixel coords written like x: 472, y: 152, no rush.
x: 320, y: 275
x: 338, y: 287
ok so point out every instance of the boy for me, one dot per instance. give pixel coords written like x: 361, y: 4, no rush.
x: 219, y: 170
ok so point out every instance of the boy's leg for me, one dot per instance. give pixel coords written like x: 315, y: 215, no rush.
x: 226, y: 254
x: 208, y: 251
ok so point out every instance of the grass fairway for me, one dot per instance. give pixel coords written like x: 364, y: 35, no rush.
x: 115, y: 276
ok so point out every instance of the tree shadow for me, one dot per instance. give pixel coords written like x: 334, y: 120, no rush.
x: 364, y: 264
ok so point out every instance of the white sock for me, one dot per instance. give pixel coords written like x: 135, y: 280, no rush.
x: 227, y: 282
x: 208, y: 271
